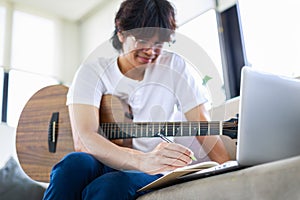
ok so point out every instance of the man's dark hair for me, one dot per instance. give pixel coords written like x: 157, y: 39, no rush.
x: 136, y: 14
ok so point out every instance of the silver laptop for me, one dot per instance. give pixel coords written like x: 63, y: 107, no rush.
x: 269, y: 121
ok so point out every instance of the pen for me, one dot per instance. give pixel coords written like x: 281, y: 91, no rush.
x: 170, y: 141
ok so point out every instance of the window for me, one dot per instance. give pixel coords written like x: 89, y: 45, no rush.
x: 2, y: 25
x: 22, y: 86
x: 2, y: 28
x: 33, y: 59
x: 271, y: 32
x: 1, y: 89
x: 33, y: 41
x: 203, y: 30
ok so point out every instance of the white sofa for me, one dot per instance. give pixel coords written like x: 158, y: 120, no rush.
x: 7, y: 143
x: 14, y: 183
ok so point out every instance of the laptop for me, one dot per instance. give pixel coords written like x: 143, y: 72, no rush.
x: 269, y: 122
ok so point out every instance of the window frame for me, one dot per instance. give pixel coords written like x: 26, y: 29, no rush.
x: 232, y: 49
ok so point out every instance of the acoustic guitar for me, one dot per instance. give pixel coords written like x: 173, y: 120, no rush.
x: 44, y: 133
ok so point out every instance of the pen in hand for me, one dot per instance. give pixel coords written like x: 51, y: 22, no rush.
x: 170, y: 141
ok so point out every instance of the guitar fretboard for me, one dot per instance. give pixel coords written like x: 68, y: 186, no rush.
x: 137, y: 130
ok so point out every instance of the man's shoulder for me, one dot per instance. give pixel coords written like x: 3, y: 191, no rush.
x: 170, y: 58
x: 99, y: 64
x: 173, y: 60
x: 100, y: 61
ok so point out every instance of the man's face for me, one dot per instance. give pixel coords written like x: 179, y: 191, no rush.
x: 141, y: 51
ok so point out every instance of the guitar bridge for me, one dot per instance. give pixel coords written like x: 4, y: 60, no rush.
x: 53, y: 132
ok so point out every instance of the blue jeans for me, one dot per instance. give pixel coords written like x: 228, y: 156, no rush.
x: 81, y: 176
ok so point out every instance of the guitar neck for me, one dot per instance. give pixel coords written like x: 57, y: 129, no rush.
x: 173, y: 129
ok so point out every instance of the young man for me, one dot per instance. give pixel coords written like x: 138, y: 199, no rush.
x: 151, y: 81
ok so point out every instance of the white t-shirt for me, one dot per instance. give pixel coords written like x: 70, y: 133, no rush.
x: 166, y: 85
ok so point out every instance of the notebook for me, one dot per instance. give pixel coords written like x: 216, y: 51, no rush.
x: 269, y: 122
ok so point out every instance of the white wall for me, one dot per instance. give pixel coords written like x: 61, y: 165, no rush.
x: 97, y: 28
x: 68, y: 50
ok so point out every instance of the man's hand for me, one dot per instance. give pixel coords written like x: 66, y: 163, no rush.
x: 165, y: 157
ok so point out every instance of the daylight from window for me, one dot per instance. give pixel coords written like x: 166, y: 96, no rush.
x: 22, y: 86
x: 33, y: 58
x: 33, y: 51
x: 271, y: 31
x: 204, y: 31
x: 2, y: 24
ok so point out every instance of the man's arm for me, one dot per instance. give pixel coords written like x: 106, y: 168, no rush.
x: 213, y: 145
x: 85, y: 124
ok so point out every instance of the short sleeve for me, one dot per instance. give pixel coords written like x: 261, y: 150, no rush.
x: 87, y: 86
x: 187, y: 89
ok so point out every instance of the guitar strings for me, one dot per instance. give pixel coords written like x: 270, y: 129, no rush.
x: 130, y: 130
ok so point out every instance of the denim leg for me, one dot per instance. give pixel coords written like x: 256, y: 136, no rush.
x: 71, y: 175
x: 80, y: 176
x: 118, y: 185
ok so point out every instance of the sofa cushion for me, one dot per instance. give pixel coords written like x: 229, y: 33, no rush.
x: 7, y: 143
x: 14, y: 184
x: 274, y: 180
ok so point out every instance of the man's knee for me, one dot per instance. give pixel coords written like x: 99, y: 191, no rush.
x: 77, y: 164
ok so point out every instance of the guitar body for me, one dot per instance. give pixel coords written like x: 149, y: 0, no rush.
x: 33, y: 129
x: 32, y: 132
